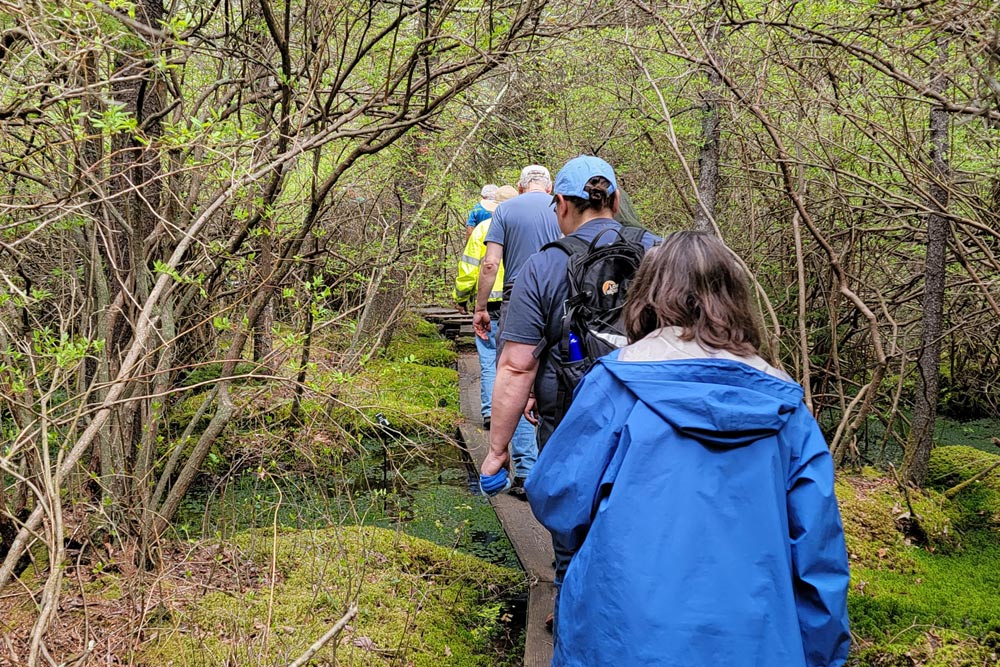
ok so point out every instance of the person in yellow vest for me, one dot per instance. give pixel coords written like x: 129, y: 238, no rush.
x: 524, y: 449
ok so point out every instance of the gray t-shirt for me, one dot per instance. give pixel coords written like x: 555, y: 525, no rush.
x: 522, y: 225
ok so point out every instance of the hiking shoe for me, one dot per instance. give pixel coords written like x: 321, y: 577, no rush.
x: 517, y: 489
x: 486, y: 423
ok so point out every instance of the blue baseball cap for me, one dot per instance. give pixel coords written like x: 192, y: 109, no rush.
x: 575, y: 174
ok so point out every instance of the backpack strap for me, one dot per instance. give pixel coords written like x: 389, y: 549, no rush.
x: 568, y: 244
x: 571, y: 245
x: 633, y: 234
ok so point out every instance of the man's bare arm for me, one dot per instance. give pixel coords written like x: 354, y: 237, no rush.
x: 516, y: 372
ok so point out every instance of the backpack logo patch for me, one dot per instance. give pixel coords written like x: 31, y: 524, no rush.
x: 610, y: 288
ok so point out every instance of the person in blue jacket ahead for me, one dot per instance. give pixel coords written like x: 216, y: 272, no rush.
x: 694, y: 489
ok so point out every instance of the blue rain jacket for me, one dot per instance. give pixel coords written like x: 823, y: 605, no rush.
x: 698, y: 498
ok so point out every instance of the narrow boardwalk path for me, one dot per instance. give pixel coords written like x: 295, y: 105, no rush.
x: 531, y: 541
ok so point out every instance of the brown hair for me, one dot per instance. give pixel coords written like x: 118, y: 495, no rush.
x: 693, y: 281
x: 598, y: 196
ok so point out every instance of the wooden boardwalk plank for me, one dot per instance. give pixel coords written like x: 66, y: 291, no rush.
x: 538, y: 640
x: 530, y: 540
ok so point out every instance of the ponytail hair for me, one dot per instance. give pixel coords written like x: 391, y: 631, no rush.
x: 598, y: 197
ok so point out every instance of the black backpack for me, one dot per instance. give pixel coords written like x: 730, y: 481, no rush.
x: 598, y: 279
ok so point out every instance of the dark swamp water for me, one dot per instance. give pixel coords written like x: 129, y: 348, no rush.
x: 424, y: 488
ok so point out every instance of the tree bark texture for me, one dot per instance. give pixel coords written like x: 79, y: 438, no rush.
x: 919, y: 442
x: 708, y: 158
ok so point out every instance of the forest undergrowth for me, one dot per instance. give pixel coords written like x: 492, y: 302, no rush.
x: 260, y: 582
x: 260, y: 588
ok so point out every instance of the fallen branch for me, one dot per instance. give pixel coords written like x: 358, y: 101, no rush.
x: 322, y: 641
x: 958, y: 488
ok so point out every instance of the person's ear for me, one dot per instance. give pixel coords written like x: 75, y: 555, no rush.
x: 616, y: 202
x: 560, y: 204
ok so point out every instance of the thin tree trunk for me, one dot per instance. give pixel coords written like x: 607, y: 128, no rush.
x: 300, y: 379
x: 708, y: 159
x: 919, y: 442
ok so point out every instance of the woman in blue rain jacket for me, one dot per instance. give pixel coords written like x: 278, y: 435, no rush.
x: 694, y: 488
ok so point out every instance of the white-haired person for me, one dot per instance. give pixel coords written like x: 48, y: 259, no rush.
x: 483, y: 210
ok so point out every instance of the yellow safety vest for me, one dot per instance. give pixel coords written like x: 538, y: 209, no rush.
x: 468, y: 267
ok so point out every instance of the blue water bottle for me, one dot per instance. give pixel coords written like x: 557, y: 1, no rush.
x: 575, y: 353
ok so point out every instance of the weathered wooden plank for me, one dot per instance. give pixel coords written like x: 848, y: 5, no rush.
x: 450, y: 318
x: 438, y: 312
x: 432, y: 308
x: 538, y: 640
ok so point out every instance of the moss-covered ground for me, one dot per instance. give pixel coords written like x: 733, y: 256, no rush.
x: 419, y: 604
x: 296, y: 518
x: 381, y: 515
x: 413, y: 384
x: 925, y: 592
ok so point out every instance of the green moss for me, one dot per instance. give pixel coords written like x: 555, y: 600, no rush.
x: 937, y: 647
x: 879, y: 526
x: 873, y: 540
x: 413, y: 383
x: 419, y: 604
x: 418, y: 341
x: 960, y: 592
x: 935, y: 605
x: 183, y: 412
x: 418, y: 326
x: 977, y: 506
x: 422, y: 351
x: 957, y: 463
x: 413, y: 397
x: 108, y: 586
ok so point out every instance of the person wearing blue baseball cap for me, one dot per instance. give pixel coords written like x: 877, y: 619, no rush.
x: 586, y: 198
x: 574, y: 179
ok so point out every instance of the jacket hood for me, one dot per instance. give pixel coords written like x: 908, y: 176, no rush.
x: 718, y: 402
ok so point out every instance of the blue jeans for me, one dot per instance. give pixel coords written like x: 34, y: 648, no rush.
x: 487, y: 350
x: 523, y: 447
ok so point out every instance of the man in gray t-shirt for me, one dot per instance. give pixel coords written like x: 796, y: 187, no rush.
x: 521, y: 226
